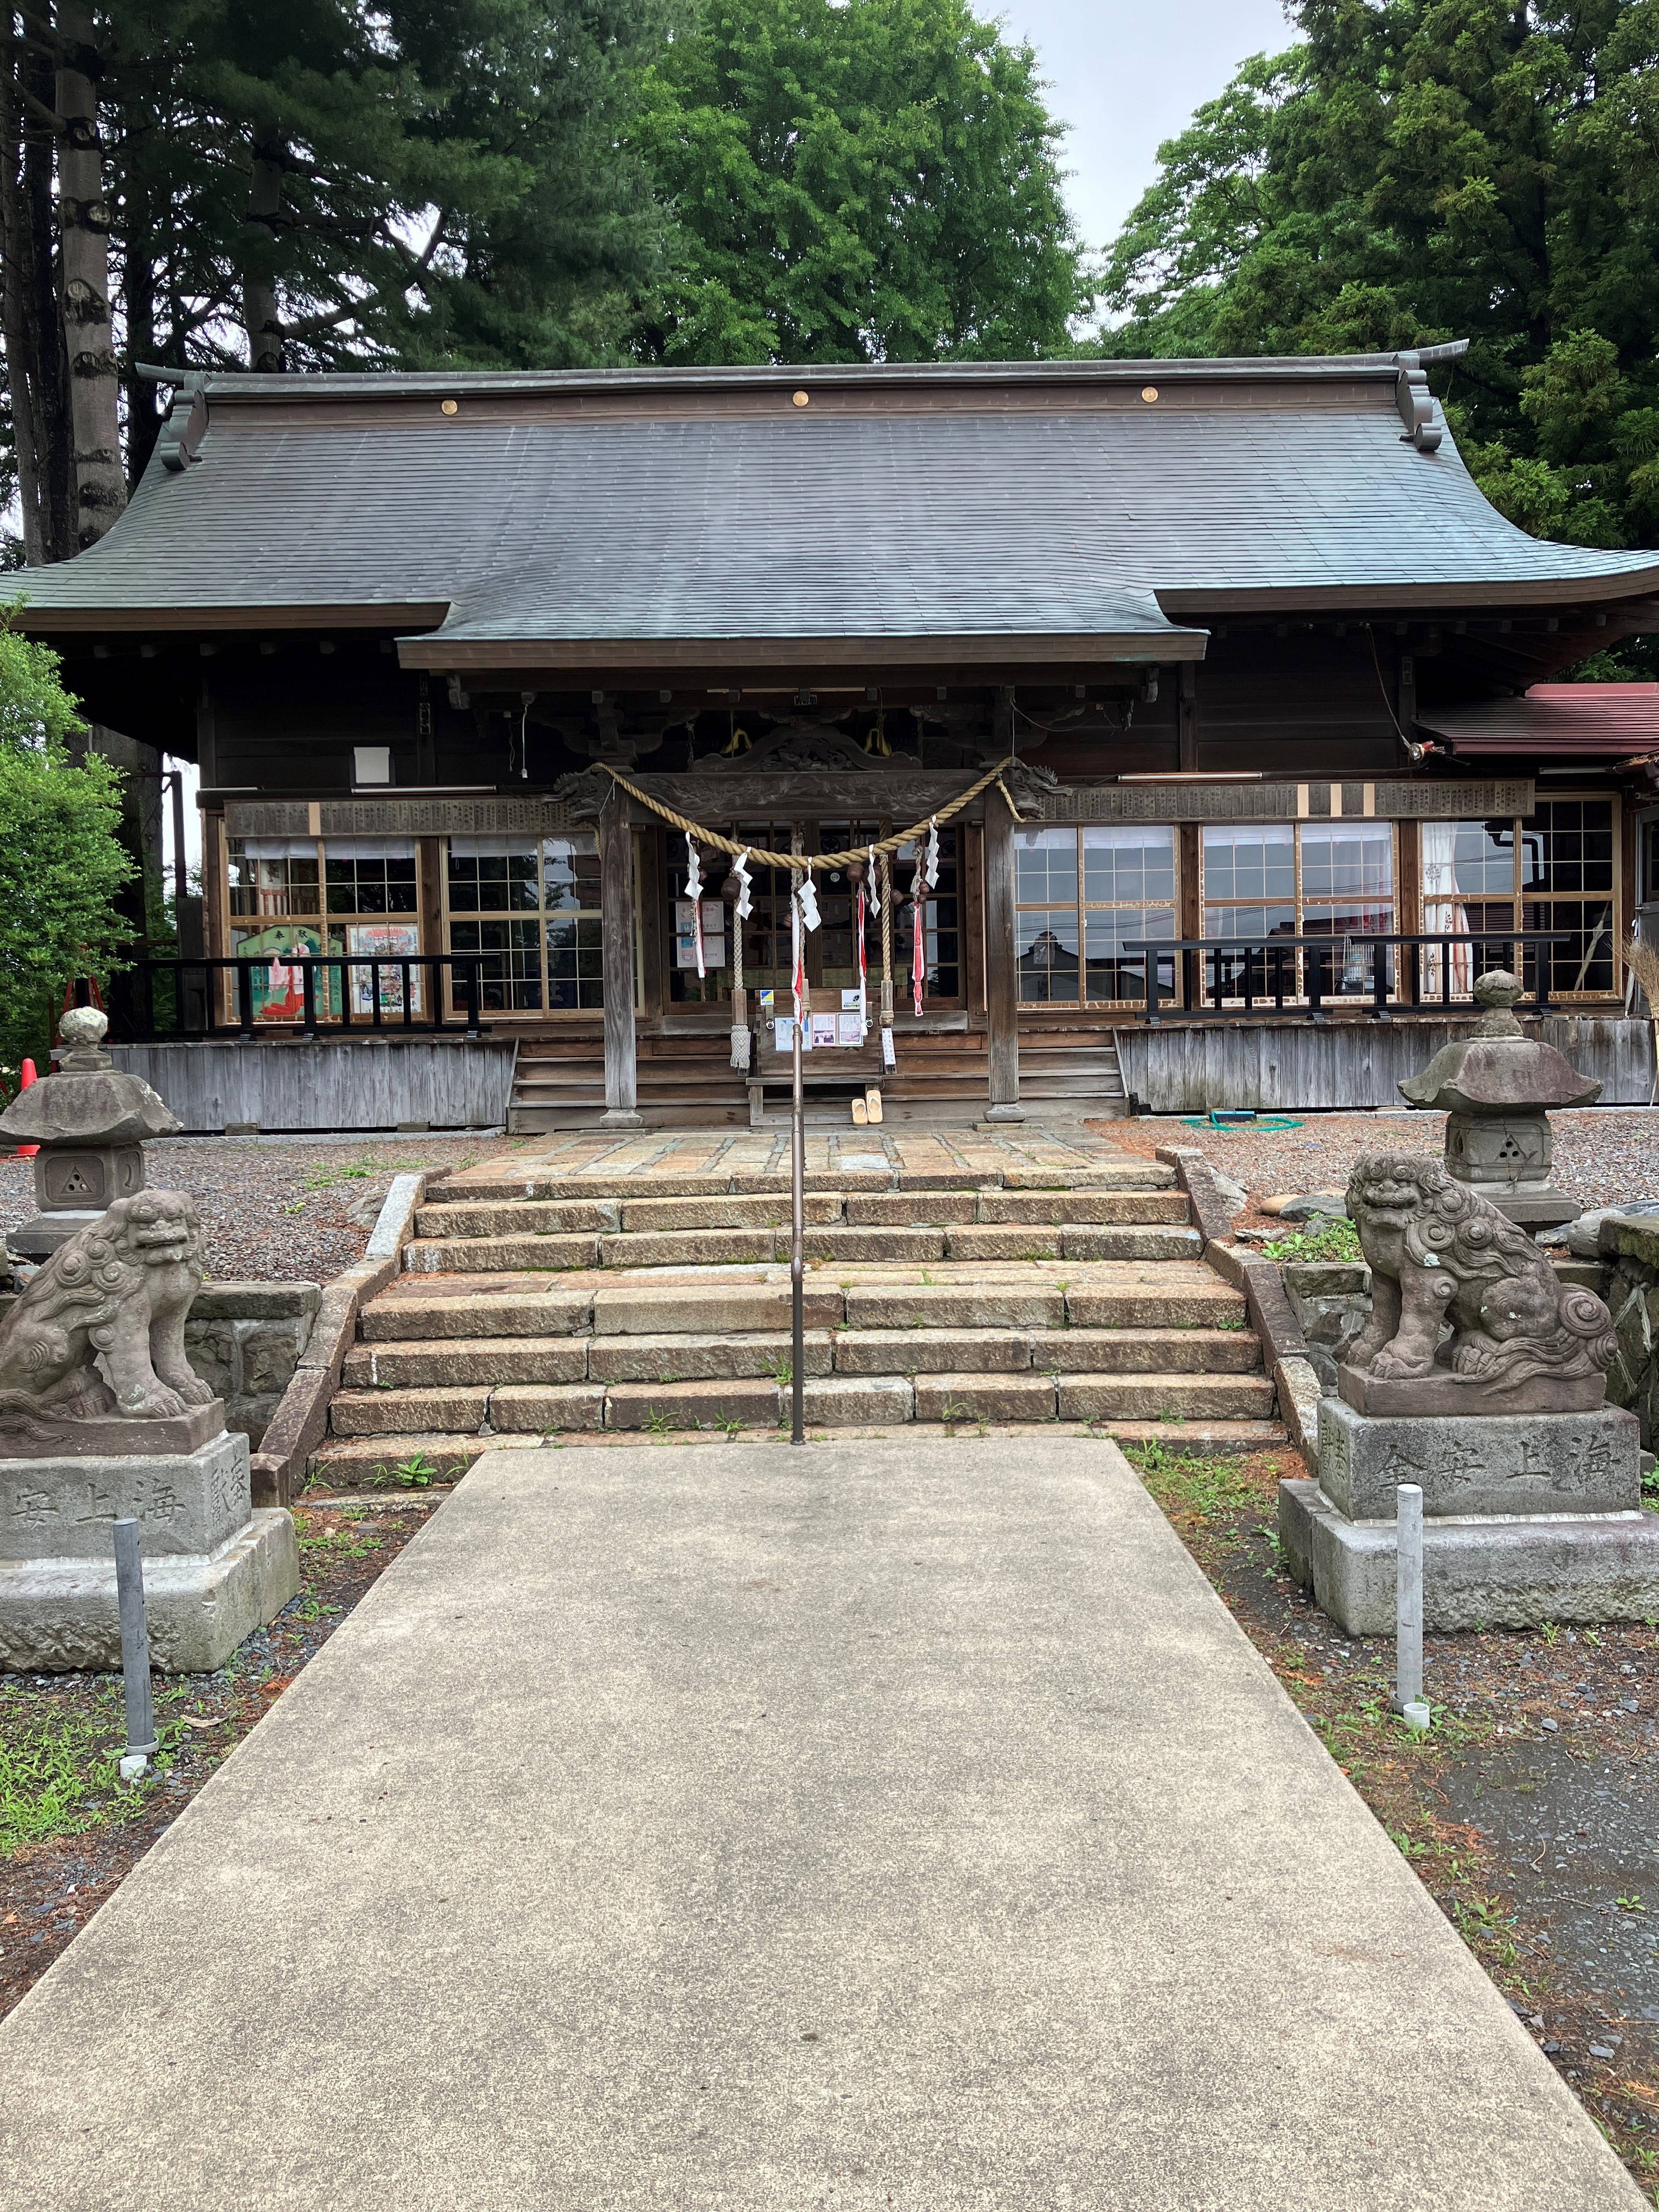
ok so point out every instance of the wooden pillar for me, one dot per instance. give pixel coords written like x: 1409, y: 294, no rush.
x: 617, y: 920
x: 1408, y: 902
x: 1001, y: 974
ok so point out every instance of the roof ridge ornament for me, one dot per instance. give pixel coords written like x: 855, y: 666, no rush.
x: 181, y: 432
x: 1417, y: 407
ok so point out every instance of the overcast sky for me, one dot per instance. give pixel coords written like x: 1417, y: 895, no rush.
x: 1126, y: 76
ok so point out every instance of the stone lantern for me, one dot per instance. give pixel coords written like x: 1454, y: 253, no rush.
x: 1496, y: 1087
x: 90, y: 1120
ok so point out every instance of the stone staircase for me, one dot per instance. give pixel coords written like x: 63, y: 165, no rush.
x: 656, y: 1298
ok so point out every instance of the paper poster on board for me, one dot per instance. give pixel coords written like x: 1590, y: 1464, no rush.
x: 822, y: 1030
x: 849, y: 1030
x: 714, y: 934
x: 383, y: 940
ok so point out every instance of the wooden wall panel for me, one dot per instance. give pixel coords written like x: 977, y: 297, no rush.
x: 1303, y: 1067
x: 361, y: 1084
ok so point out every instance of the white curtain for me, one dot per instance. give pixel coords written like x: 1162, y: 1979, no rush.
x: 1444, y: 911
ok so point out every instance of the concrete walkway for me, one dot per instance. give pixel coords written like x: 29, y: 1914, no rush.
x: 894, y: 1823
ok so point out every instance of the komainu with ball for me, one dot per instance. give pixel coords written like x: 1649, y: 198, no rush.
x: 100, y: 1330
x: 1442, y: 1257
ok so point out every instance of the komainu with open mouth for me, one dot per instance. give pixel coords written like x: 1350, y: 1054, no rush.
x: 1443, y: 1256
x: 118, y: 1293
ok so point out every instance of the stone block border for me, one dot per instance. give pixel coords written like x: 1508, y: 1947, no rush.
x: 301, y: 1420
x: 1283, y: 1346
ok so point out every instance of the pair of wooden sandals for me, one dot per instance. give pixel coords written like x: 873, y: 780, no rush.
x: 867, y: 1108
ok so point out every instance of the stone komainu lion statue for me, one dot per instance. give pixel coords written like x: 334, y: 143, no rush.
x: 1441, y: 1256
x: 119, y: 1289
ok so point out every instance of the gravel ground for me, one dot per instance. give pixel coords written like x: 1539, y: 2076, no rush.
x: 1602, y: 1154
x: 279, y: 1209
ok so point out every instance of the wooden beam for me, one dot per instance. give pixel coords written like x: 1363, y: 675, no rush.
x: 1186, y: 708
x: 616, y: 918
x: 1002, y: 974
x: 802, y: 657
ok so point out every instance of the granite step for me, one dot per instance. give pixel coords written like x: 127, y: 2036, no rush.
x: 427, y: 1456
x: 484, y: 1307
x: 673, y: 1356
x: 496, y: 1182
x: 759, y: 1400
x: 561, y: 1252
x: 446, y: 1219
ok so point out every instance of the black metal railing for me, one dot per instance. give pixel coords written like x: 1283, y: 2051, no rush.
x: 1230, y: 978
x: 153, y: 1001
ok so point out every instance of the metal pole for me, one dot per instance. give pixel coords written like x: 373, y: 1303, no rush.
x: 797, y: 1207
x: 135, y: 1648
x: 1408, y: 1698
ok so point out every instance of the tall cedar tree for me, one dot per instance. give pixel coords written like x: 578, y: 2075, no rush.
x: 1427, y: 169
x: 326, y: 184
x: 857, y: 180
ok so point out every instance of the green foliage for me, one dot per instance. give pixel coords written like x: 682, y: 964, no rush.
x: 1420, y: 170
x: 412, y: 183
x: 1326, y: 1237
x: 36, y: 713
x: 1188, y: 1482
x: 61, y: 859
x: 60, y: 1769
x: 875, y: 180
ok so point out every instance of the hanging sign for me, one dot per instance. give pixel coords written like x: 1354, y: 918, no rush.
x: 700, y: 929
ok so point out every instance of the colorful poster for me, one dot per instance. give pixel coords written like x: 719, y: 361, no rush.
x: 278, y: 986
x: 383, y: 940
x: 823, y: 1029
x: 849, y: 1029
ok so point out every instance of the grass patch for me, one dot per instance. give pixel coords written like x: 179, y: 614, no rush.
x: 60, y: 1771
x: 1186, y: 1482
x: 1329, y: 1236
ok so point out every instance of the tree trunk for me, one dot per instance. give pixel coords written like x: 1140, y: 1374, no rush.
x: 83, y: 218
x: 144, y: 411
x: 260, y: 316
x: 37, y: 367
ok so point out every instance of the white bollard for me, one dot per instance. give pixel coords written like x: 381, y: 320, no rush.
x: 1408, y: 1698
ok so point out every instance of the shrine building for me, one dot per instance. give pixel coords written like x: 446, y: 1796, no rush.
x: 1284, y: 758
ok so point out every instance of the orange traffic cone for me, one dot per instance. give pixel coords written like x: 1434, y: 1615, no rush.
x: 25, y: 1075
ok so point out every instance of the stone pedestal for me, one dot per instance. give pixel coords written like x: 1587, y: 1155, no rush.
x: 1527, y: 1518
x: 213, y: 1569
